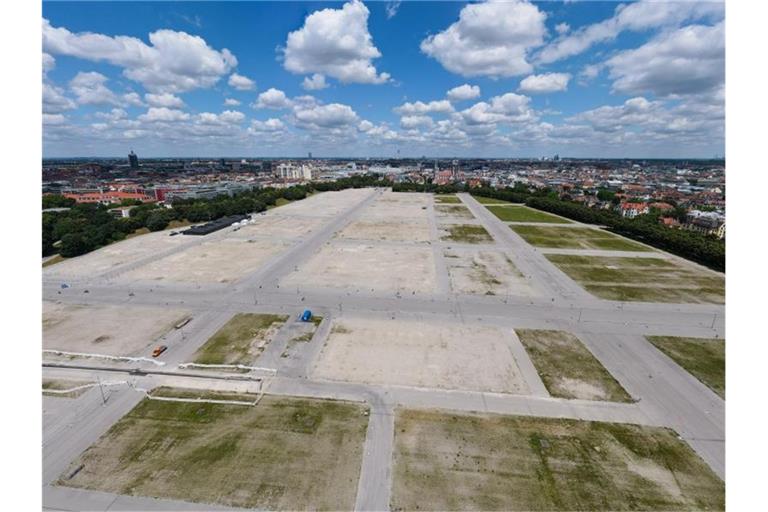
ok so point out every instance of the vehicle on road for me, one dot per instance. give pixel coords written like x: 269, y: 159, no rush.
x: 159, y: 350
x: 183, y: 323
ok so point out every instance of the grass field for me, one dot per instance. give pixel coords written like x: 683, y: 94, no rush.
x: 454, y: 210
x: 241, y: 340
x: 283, y: 454
x: 642, y: 279
x: 467, y: 233
x: 568, y: 369
x: 489, y: 200
x: 447, y: 461
x: 704, y: 358
x: 524, y: 214
x: 575, y: 238
x: 447, y: 200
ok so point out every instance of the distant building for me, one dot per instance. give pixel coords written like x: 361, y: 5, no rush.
x: 108, y: 197
x: 632, y: 210
x: 133, y: 160
x: 293, y: 171
x: 709, y: 223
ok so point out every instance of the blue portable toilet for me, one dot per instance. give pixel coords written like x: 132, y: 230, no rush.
x: 306, y: 316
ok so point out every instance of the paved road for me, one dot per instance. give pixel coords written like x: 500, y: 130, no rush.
x: 613, y: 331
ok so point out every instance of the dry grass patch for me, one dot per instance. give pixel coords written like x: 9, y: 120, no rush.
x: 447, y: 199
x: 575, y: 238
x: 447, y: 461
x: 63, y: 384
x: 283, y: 454
x: 241, y: 340
x: 467, y: 234
x: 704, y: 358
x: 451, y: 210
x: 568, y: 369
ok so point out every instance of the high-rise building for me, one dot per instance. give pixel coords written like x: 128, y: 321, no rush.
x: 133, y: 160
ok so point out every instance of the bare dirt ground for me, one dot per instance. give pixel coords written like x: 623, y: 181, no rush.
x: 368, y: 268
x: 324, y: 204
x: 449, y: 461
x: 114, y: 255
x: 283, y: 454
x: 277, y: 226
x: 395, y: 230
x: 109, y: 330
x: 486, y: 273
x: 452, y: 210
x: 422, y: 354
x: 216, y: 261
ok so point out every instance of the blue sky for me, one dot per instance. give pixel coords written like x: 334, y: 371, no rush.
x: 251, y: 79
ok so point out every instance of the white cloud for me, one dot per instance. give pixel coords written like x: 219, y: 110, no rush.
x: 419, y: 107
x: 163, y: 115
x: 54, y: 119
x: 116, y: 114
x: 489, y: 39
x: 392, y: 8
x: 48, y: 63
x: 333, y: 115
x: 163, y: 100
x: 240, y: 82
x: 507, y: 108
x: 548, y: 82
x: 90, y: 89
x: 638, y: 16
x: 689, y: 60
x: 365, y: 126
x: 316, y: 83
x: 270, y: 125
x: 335, y: 43
x: 54, y: 100
x: 226, y: 117
x: 409, y: 122
x: 231, y: 102
x: 562, y: 28
x: 173, y: 62
x: 463, y: 92
x: 274, y: 99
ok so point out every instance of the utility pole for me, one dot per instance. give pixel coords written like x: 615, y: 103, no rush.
x: 101, y: 388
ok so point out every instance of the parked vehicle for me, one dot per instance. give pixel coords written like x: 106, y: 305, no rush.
x: 159, y: 350
x: 306, y: 316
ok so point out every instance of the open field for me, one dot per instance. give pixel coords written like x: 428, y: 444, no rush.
x: 642, y: 279
x: 466, y: 233
x: 703, y: 358
x: 525, y: 214
x: 398, y: 206
x: 323, y: 204
x: 114, y: 330
x: 485, y: 273
x: 453, y: 210
x: 215, y: 261
x: 241, y: 340
x: 368, y: 268
x: 568, y: 369
x: 575, y: 238
x: 277, y: 225
x: 490, y: 200
x: 420, y: 353
x: 447, y: 199
x: 283, y: 454
x: 446, y: 461
x: 61, y: 385
x: 396, y: 230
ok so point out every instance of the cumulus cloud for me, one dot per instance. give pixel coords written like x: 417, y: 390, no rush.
x: 48, y: 63
x: 463, y: 93
x: 163, y: 115
x: 489, y: 39
x: 392, y: 8
x: 420, y: 108
x: 273, y: 99
x: 54, y: 100
x: 409, y: 122
x: 315, y: 83
x: 562, y: 28
x: 163, y: 100
x: 240, y: 82
x: 507, y: 108
x: 270, y: 125
x: 54, y: 119
x: 335, y: 43
x: 231, y: 102
x: 686, y: 61
x: 172, y: 62
x: 638, y: 16
x: 547, y: 82
x: 90, y: 89
x: 333, y: 115
x: 226, y: 117
x: 116, y: 114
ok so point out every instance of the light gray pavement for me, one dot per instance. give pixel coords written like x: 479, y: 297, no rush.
x: 613, y: 331
x: 68, y: 498
x: 535, y: 384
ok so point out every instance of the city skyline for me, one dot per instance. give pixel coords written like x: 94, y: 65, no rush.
x: 495, y: 79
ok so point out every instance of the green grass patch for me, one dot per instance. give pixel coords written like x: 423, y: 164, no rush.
x: 524, y: 214
x: 489, y: 200
x: 568, y: 369
x: 576, y: 238
x: 283, y: 454
x: 448, y: 461
x: 467, y: 233
x: 704, y: 358
x: 447, y: 200
x: 241, y: 340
